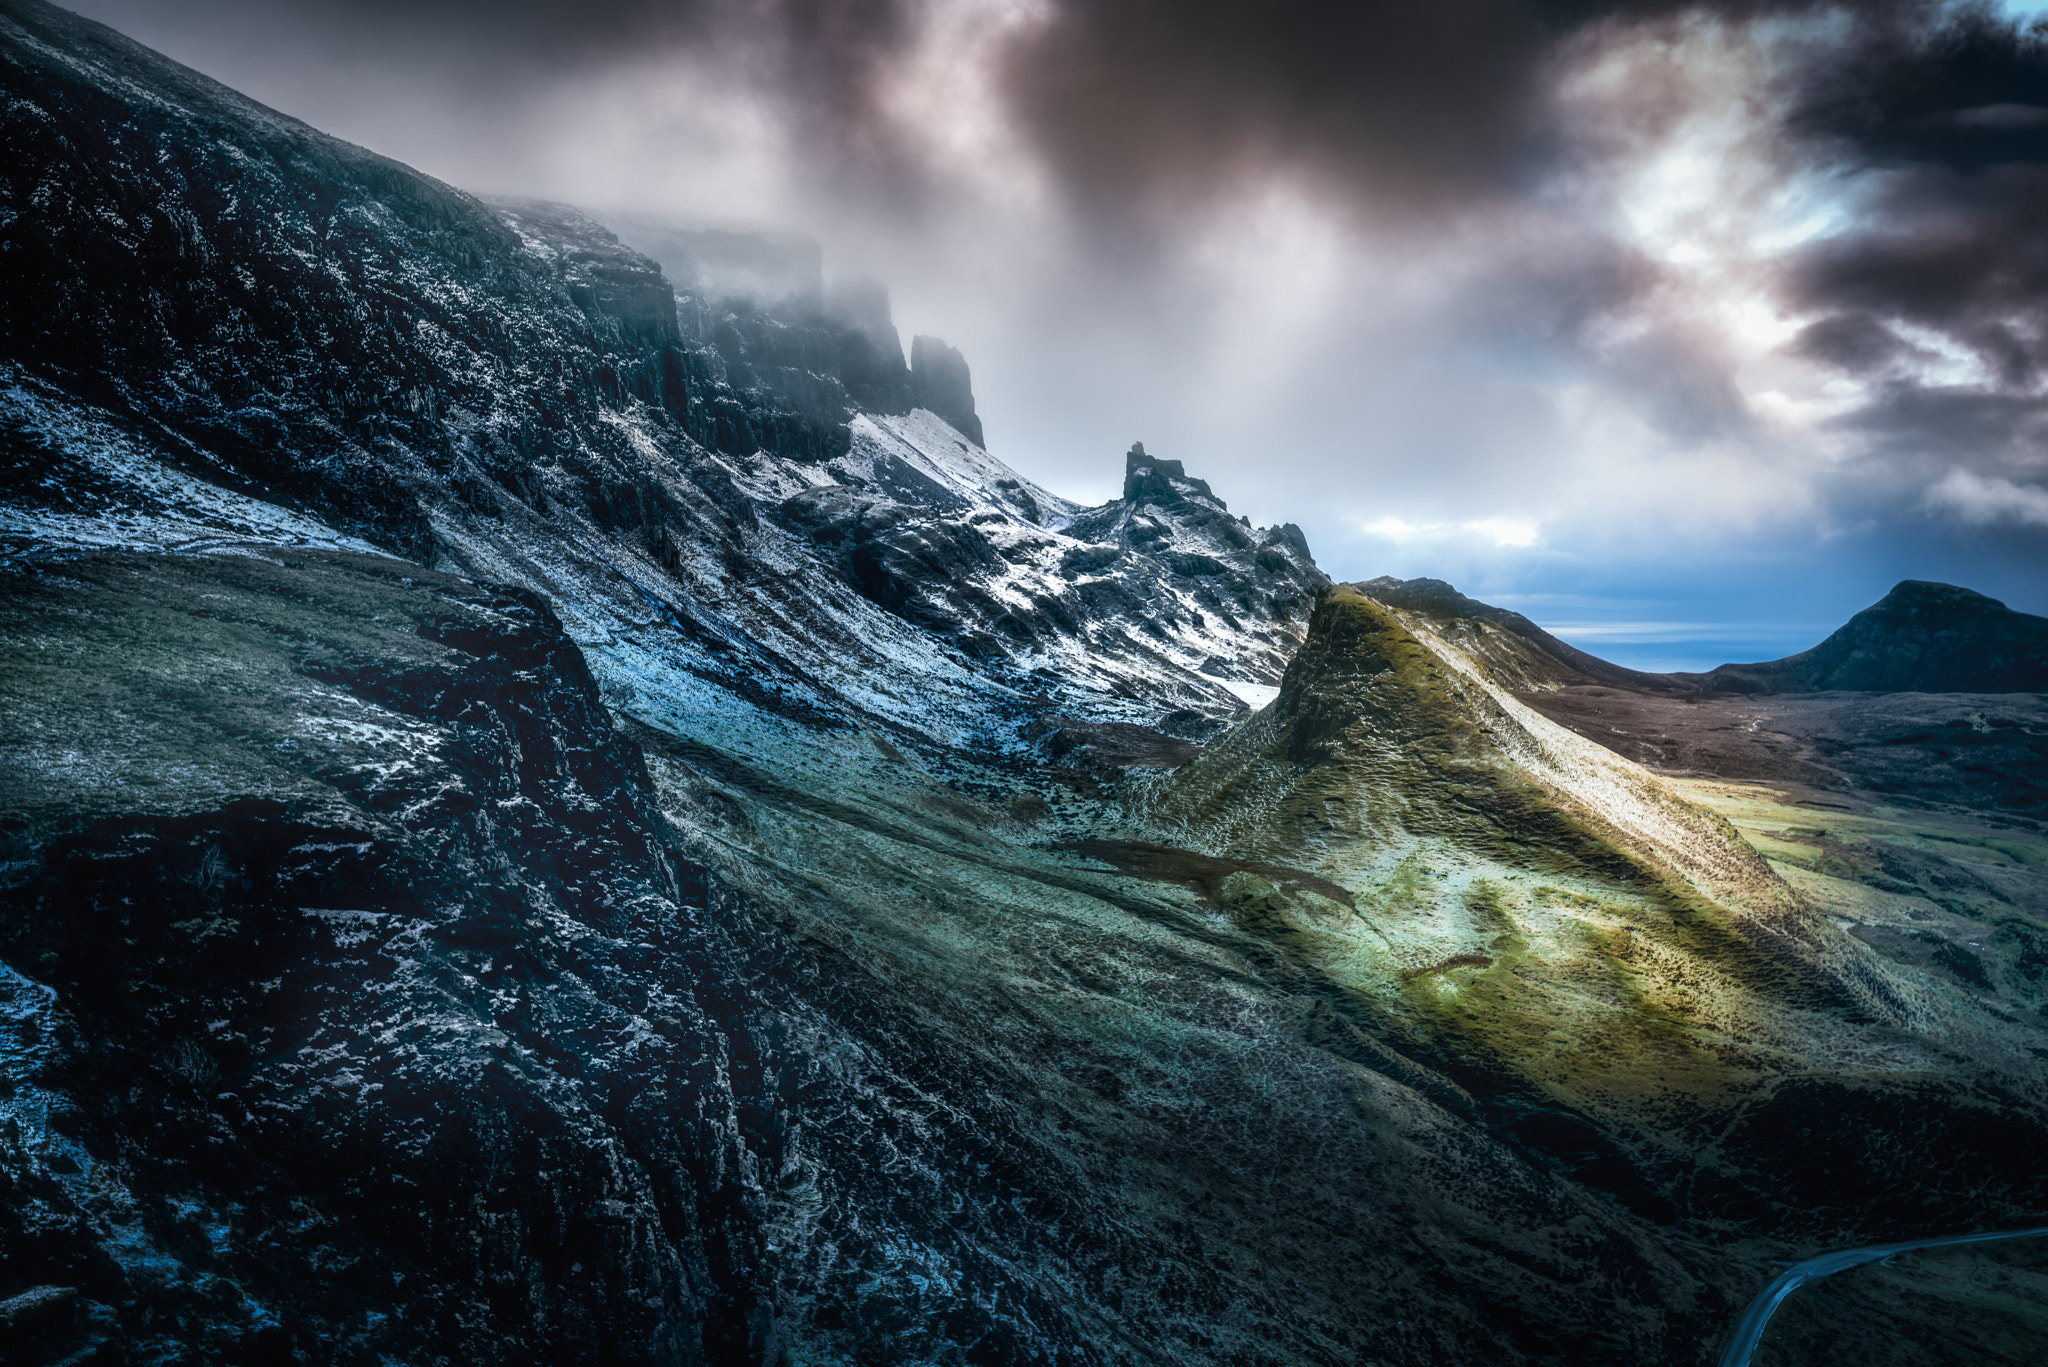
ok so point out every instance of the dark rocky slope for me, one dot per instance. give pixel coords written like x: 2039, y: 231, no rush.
x: 358, y: 1006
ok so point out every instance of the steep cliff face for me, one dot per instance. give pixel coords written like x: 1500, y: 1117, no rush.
x: 758, y: 301
x: 940, y: 381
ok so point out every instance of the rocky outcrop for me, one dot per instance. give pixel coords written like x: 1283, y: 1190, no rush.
x: 1172, y: 530
x: 939, y: 381
x: 735, y: 374
x: 870, y: 352
x: 758, y: 302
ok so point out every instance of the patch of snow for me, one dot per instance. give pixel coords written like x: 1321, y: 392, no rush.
x: 931, y: 444
x: 1255, y: 695
x: 145, y: 502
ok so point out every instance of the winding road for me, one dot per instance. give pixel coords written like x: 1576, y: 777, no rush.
x: 1749, y: 1330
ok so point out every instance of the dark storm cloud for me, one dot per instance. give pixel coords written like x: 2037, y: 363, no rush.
x: 1962, y: 88
x: 818, y: 62
x: 1915, y: 419
x: 1948, y: 121
x: 1137, y: 99
x: 1135, y: 104
x: 1392, y: 104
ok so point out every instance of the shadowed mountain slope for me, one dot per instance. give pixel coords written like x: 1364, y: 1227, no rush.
x: 333, y: 919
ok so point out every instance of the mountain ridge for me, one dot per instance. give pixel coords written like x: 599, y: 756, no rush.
x: 1921, y: 637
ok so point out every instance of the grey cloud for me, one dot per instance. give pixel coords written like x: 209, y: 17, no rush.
x: 1928, y: 427
x: 1859, y: 343
x: 1949, y: 116
x: 1952, y: 115
x: 1139, y: 101
x: 1144, y: 109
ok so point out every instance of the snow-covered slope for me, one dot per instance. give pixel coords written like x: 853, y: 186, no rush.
x: 506, y: 391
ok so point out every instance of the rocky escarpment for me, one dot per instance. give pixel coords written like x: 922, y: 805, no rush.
x: 940, y: 381
x: 758, y: 303
x: 733, y: 377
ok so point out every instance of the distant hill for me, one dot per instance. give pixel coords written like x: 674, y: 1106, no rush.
x: 1920, y: 638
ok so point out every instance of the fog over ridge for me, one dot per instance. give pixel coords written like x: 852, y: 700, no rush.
x: 1736, y: 310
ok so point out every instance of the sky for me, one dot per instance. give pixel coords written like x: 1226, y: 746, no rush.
x: 1685, y: 329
